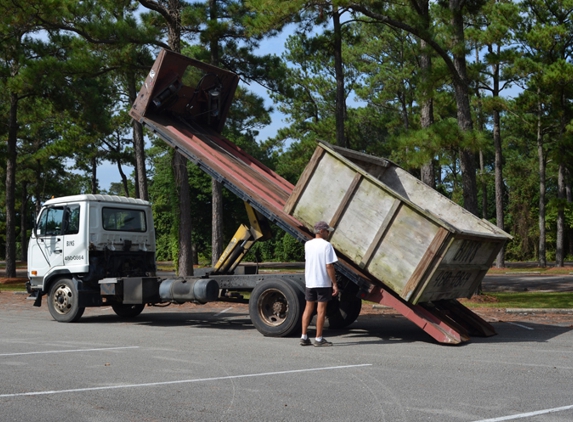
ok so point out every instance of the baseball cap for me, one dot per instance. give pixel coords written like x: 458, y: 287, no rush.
x: 322, y: 225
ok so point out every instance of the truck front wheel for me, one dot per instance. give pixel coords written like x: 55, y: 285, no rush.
x: 276, y: 307
x: 127, y: 311
x: 63, y: 301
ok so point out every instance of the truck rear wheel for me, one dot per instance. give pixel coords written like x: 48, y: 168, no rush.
x: 345, y: 308
x: 63, y: 301
x: 127, y: 311
x: 276, y: 307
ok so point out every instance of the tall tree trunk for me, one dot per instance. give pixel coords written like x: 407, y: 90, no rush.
x: 340, y: 113
x: 23, y: 225
x: 464, y: 115
x: 481, y: 127
x: 561, y: 190
x: 483, y: 185
x: 499, y: 188
x: 138, y: 146
x: 185, y: 254
x: 560, y: 246
x: 11, y: 187
x: 216, y: 187
x: 542, y: 255
x: 172, y: 15
x: 569, y: 198
x: 427, y: 173
x: 216, y: 221
x: 94, y: 184
x: 123, y: 178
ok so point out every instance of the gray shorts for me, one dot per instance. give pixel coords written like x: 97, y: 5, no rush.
x: 318, y: 294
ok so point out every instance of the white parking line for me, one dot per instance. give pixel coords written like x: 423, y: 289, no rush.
x: 223, y: 311
x: 519, y: 325
x: 154, y: 384
x: 527, y: 415
x: 68, y: 351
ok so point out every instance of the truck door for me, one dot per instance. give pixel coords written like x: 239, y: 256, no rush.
x: 47, y: 250
x: 75, y: 247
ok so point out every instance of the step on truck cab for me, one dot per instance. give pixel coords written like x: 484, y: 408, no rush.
x: 78, y: 241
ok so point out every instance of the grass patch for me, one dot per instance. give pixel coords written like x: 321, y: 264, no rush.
x: 13, y: 286
x: 535, y: 300
x: 530, y: 269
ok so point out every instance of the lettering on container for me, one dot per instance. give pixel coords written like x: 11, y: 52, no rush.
x: 467, y: 251
x: 450, y: 279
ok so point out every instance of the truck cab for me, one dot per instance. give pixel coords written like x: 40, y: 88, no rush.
x: 79, y: 240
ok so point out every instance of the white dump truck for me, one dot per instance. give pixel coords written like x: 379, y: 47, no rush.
x: 399, y: 242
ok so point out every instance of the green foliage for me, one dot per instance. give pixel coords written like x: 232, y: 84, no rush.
x: 292, y: 249
x: 70, y: 65
x: 281, y: 248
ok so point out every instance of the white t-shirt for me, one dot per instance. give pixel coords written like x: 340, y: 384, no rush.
x: 317, y: 253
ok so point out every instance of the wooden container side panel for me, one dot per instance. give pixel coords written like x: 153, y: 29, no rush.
x: 402, y: 248
x: 324, y: 191
x: 459, y: 273
x: 427, y: 198
x: 374, y: 228
x: 357, y: 227
x: 303, y: 181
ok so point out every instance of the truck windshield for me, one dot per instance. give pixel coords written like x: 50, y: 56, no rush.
x: 120, y: 219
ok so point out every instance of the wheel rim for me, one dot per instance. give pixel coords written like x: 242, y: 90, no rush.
x: 273, y: 307
x: 63, y: 299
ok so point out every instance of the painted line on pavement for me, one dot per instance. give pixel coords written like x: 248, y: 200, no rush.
x: 223, y: 311
x: 68, y: 351
x: 155, y: 384
x: 519, y: 325
x: 527, y: 415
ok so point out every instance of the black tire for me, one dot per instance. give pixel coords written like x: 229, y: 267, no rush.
x: 276, y: 307
x: 345, y: 308
x: 127, y: 311
x: 63, y: 301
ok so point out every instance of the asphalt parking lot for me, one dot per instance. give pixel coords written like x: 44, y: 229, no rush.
x: 208, y: 363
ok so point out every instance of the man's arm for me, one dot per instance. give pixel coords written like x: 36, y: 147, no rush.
x: 332, y: 275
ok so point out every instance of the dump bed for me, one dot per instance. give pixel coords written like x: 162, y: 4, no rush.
x: 394, y: 227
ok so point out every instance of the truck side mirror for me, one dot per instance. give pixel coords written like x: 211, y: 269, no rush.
x: 35, y: 227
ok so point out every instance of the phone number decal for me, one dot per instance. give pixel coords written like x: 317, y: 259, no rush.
x: 74, y: 258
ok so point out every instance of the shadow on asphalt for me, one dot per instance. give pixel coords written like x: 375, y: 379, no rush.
x: 232, y: 321
x: 387, y: 329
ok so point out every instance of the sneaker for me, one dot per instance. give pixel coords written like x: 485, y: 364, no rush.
x: 322, y: 343
x: 304, y: 342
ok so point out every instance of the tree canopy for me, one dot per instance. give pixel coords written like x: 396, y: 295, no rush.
x: 473, y: 97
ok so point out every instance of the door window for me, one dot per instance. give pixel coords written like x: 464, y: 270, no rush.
x: 50, y: 223
x: 72, y: 220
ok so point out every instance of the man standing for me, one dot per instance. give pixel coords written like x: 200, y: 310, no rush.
x: 320, y: 281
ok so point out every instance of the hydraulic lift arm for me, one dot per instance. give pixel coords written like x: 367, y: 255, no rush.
x: 244, y: 238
